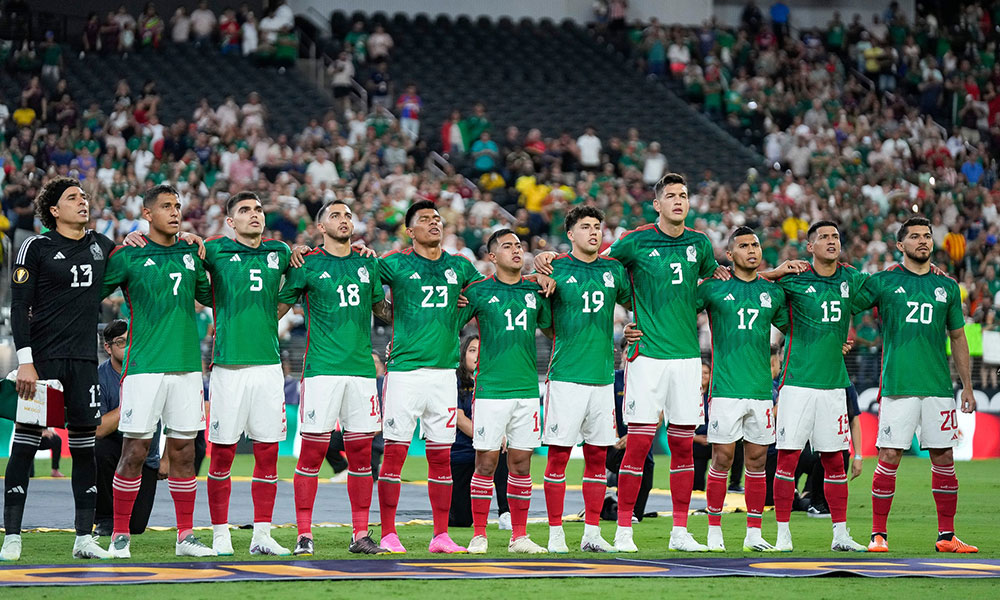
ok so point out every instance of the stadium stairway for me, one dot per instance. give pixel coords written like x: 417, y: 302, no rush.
x: 554, y: 77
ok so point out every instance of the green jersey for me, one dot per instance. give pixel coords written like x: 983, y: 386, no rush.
x: 665, y: 272
x: 740, y: 314
x: 507, y: 315
x: 338, y: 295
x: 917, y: 312
x: 424, y: 294
x: 819, y: 318
x: 583, y: 318
x: 160, y: 284
x: 245, y: 284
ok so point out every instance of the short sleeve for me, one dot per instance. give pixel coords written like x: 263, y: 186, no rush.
x: 868, y: 296
x: 387, y: 268
x: 378, y: 293
x: 708, y: 264
x: 544, y: 317
x: 295, y: 283
x: 624, y: 287
x: 202, y: 286
x: 955, y: 318
x: 470, y: 272
x: 622, y: 250
x: 703, y: 295
x: 468, y: 311
x: 116, y: 272
x: 780, y: 317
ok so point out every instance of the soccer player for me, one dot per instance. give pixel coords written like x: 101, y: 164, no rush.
x: 812, y: 402
x: 342, y: 289
x: 508, y: 310
x: 55, y: 285
x: 580, y: 395
x: 247, y: 385
x: 425, y: 282
x: 740, y: 312
x: 162, y: 375
x: 920, y: 310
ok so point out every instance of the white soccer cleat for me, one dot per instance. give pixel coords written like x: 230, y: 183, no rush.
x: 623, y: 540
x: 503, y: 523
x: 478, y: 545
x: 595, y: 543
x: 754, y: 542
x: 86, y: 546
x: 192, y: 546
x: 557, y: 540
x: 524, y: 545
x: 784, y: 541
x: 265, y: 545
x: 121, y: 546
x: 845, y: 543
x: 715, y: 541
x: 11, y: 549
x: 222, y: 541
x: 683, y: 541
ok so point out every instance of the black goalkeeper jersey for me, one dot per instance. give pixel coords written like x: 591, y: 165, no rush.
x: 56, y: 295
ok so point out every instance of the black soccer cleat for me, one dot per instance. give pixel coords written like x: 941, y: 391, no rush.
x: 366, y: 545
x: 304, y: 547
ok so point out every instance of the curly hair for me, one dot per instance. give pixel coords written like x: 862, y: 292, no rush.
x: 49, y: 196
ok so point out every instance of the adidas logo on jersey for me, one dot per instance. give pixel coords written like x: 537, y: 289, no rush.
x: 493, y: 299
x: 811, y: 290
x: 58, y: 256
x: 654, y: 253
x: 149, y: 262
x: 415, y: 276
x: 235, y: 258
x: 900, y: 290
x: 325, y: 275
x: 571, y: 279
x: 729, y: 297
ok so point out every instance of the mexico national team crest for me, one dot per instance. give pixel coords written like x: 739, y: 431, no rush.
x: 96, y: 251
x: 189, y: 262
x: 272, y: 260
x: 845, y: 290
x: 765, y: 300
x: 692, y: 254
x: 529, y: 299
x: 609, y: 280
x: 363, y: 275
x: 450, y: 276
x: 940, y: 295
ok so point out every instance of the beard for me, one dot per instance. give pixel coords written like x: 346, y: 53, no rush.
x: 916, y: 258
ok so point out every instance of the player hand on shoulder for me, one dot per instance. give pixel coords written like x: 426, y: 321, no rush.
x: 135, y: 239
x: 789, y: 267
x: 299, y: 252
x: 547, y: 284
x: 191, y: 239
x: 856, y: 467
x: 938, y: 270
x: 722, y: 273
x: 632, y: 333
x: 543, y: 262
x: 968, y: 399
x: 26, y: 378
x: 365, y: 251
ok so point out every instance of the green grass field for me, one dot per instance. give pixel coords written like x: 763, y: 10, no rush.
x: 912, y: 533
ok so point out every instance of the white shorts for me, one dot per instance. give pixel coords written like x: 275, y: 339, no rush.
x: 248, y: 399
x: 575, y: 411
x: 430, y: 395
x: 178, y: 399
x: 815, y: 416
x: 327, y: 399
x: 671, y: 387
x: 517, y: 420
x: 730, y: 419
x: 899, y: 417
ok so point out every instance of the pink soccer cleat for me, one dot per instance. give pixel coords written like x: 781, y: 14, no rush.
x: 392, y: 544
x: 443, y: 544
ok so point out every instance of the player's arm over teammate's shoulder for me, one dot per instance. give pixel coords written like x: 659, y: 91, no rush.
x: 780, y: 300
x: 202, y: 286
x: 868, y: 294
x: 381, y: 306
x: 292, y: 288
x: 471, y: 295
x: 116, y: 271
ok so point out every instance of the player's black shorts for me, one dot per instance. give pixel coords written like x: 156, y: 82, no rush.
x: 80, y: 391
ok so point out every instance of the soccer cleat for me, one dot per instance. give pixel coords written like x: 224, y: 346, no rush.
x: 222, y: 542
x: 557, y: 540
x: 192, y: 546
x: 121, y: 546
x: 478, y: 545
x: 623, y: 540
x: 683, y: 541
x: 844, y: 543
x: 524, y: 545
x: 304, y: 546
x: 265, y: 545
x: 818, y: 512
x: 86, y: 546
x: 443, y: 544
x: 754, y: 542
x: 11, y: 549
x: 784, y: 541
x: 392, y: 544
x: 503, y: 523
x: 879, y: 543
x: 595, y: 543
x: 366, y: 545
x: 715, y: 541
x: 955, y: 545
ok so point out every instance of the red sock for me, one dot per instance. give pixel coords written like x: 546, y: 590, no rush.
x: 219, y: 484
x: 519, y: 498
x: 883, y: 488
x: 481, y: 490
x: 264, y: 483
x: 595, y: 483
x: 314, y: 446
x: 754, y: 493
x: 637, y: 445
x: 388, y: 483
x: 784, y: 484
x: 183, y: 492
x: 359, y: 478
x: 715, y: 495
x: 835, y: 485
x: 944, y: 485
x: 439, y: 483
x: 555, y: 483
x: 680, y: 439
x: 124, y: 492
